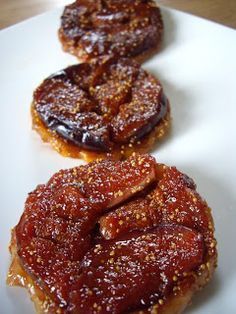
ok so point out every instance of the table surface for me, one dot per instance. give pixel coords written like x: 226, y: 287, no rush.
x: 221, y: 11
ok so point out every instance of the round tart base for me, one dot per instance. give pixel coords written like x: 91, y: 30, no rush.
x: 136, y: 27
x: 149, y: 215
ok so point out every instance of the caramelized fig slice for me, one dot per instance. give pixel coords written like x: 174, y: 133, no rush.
x: 138, y: 117
x: 54, y: 232
x: 174, y: 200
x: 135, y: 215
x: 109, y: 183
x: 51, y: 267
x: 65, y: 106
x: 122, y: 275
x: 50, y: 246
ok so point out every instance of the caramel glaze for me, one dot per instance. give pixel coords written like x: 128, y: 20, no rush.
x: 107, y: 108
x: 124, y: 28
x: 114, y: 237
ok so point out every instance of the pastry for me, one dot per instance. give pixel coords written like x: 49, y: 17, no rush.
x: 128, y: 236
x: 108, y: 108
x: 122, y: 28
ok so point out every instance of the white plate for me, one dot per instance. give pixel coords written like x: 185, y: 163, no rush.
x: 197, y: 67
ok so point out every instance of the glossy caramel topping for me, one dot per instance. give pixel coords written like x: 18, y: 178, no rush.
x: 135, y: 272
x: 60, y: 246
x: 122, y: 28
x: 102, y: 105
x: 173, y: 200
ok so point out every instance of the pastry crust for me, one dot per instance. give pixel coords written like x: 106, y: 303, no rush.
x: 176, y: 237
x: 122, y: 28
x: 144, y: 111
